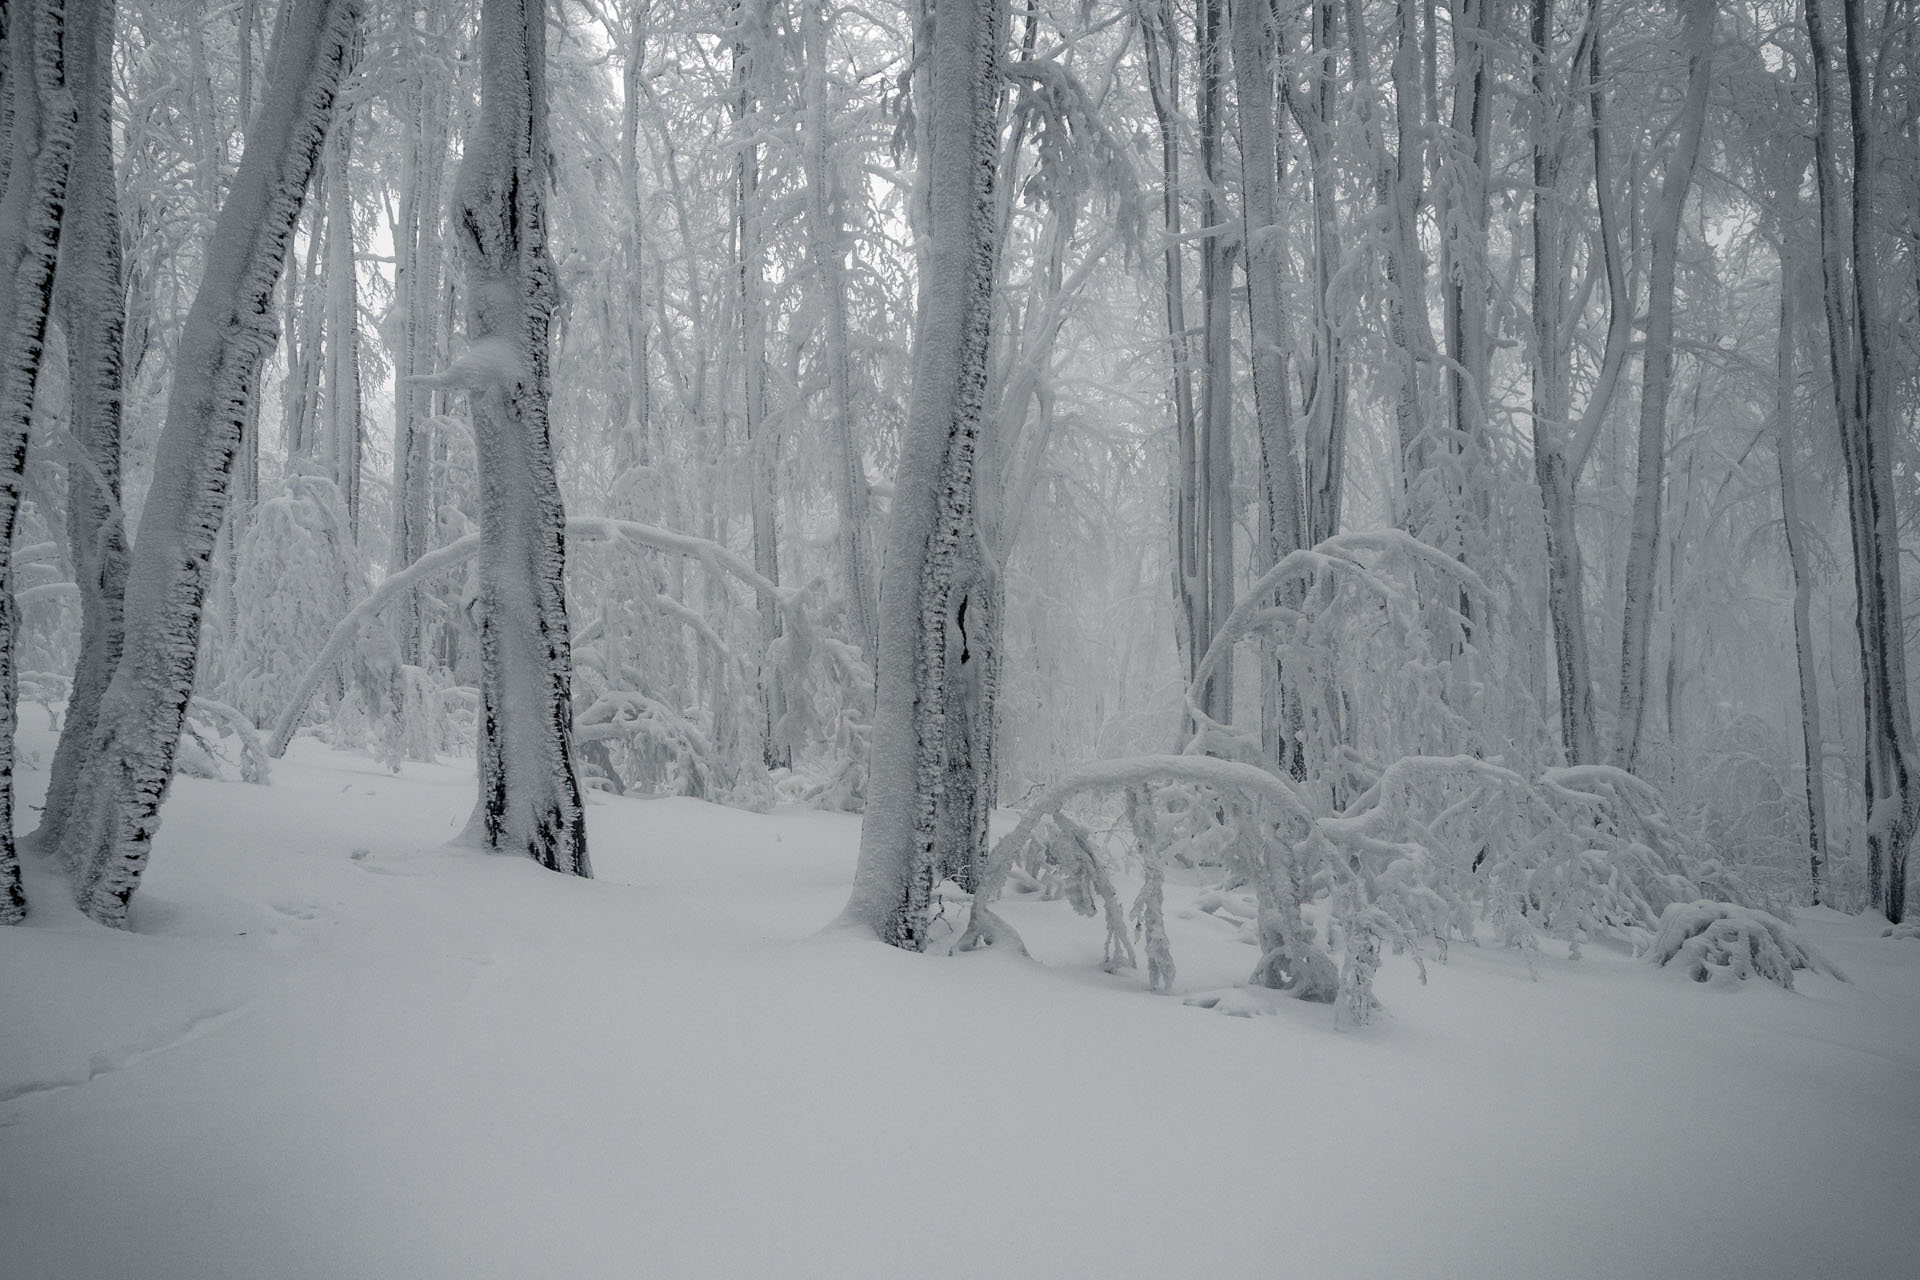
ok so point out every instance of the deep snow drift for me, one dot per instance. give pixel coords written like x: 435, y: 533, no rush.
x: 333, y: 1047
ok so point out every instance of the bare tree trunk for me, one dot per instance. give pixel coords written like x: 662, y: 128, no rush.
x: 92, y: 309
x: 1657, y: 383
x: 529, y: 791
x: 1811, y: 740
x: 129, y: 762
x: 935, y: 561
x: 1860, y: 396
x: 39, y: 140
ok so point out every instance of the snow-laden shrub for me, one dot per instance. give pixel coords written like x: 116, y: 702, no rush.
x: 1722, y: 944
x: 1909, y: 929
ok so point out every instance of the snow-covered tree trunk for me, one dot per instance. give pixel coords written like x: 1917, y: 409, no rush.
x: 529, y: 793
x: 1327, y: 373
x: 1656, y: 385
x: 1217, y: 250
x: 1162, y: 48
x: 752, y: 33
x: 343, y: 444
x: 934, y: 557
x: 1282, y: 517
x: 39, y: 139
x: 826, y: 247
x: 1861, y: 391
x: 636, y: 444
x: 129, y: 762
x: 92, y: 310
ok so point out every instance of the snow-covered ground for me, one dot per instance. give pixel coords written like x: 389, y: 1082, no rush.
x: 335, y: 1048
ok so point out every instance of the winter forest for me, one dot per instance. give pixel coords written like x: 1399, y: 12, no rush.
x: 1382, y: 519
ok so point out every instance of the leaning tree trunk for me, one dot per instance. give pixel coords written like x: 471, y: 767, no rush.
x: 929, y: 640
x: 129, y: 762
x: 39, y: 142
x: 92, y: 309
x: 1643, y: 547
x: 529, y: 793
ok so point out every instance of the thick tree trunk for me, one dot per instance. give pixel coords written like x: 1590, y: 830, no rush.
x: 1327, y: 373
x: 39, y: 140
x: 928, y: 634
x: 1643, y: 546
x: 92, y: 309
x: 129, y: 762
x: 529, y: 792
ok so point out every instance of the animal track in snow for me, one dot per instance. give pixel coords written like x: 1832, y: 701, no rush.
x: 107, y: 1062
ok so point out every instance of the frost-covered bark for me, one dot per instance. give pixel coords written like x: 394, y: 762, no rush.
x: 343, y: 324
x: 1162, y: 48
x: 129, y: 762
x: 39, y: 142
x: 92, y: 312
x: 39, y: 148
x: 1282, y: 516
x: 1217, y: 250
x: 934, y: 556
x: 529, y: 793
x: 1656, y: 385
x: 1327, y: 374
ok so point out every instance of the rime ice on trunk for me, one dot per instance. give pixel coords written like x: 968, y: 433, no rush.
x: 529, y: 793
x: 935, y: 558
x: 92, y: 311
x: 129, y: 762
x: 343, y: 324
x: 39, y: 140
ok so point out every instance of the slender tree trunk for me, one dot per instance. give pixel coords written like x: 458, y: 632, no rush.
x: 529, y: 791
x: 39, y: 143
x: 826, y: 237
x: 129, y: 762
x: 751, y: 35
x: 1657, y: 384
x: 1216, y: 398
x: 1161, y: 42
x: 92, y: 308
x: 343, y: 324
x: 935, y: 560
x: 1282, y: 517
x: 1327, y: 372
x: 1811, y: 740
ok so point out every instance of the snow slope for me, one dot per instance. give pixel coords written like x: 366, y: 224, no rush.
x: 335, y: 1048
